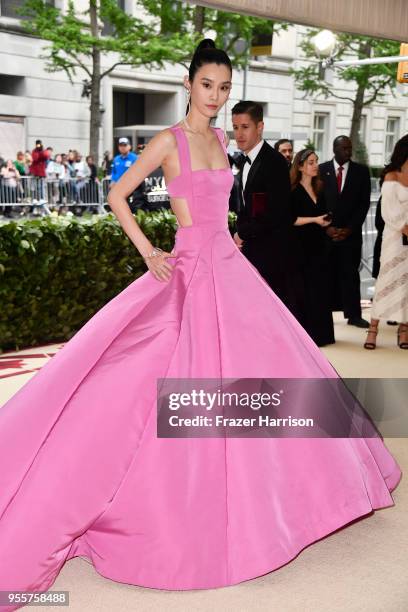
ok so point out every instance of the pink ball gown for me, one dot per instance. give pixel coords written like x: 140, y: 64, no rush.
x: 83, y: 473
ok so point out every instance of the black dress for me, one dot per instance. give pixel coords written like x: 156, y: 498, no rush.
x: 318, y: 320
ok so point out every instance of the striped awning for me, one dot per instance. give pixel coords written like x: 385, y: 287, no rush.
x: 377, y: 18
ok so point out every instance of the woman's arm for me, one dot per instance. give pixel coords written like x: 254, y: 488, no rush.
x: 306, y: 220
x: 393, y: 210
x: 150, y: 159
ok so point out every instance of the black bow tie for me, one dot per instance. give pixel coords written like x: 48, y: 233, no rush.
x: 241, y: 160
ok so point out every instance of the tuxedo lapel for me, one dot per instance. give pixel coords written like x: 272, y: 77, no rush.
x: 349, y: 177
x: 330, y: 173
x: 255, y: 166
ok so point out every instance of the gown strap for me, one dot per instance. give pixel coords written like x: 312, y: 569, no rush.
x: 221, y: 137
x: 184, y: 156
x: 183, y: 148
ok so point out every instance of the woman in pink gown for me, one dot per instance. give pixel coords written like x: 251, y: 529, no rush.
x: 82, y: 471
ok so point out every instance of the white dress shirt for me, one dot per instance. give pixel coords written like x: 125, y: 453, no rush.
x: 252, y: 156
x: 345, y: 168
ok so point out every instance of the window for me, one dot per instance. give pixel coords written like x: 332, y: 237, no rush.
x: 362, y: 132
x: 319, y: 137
x: 108, y: 28
x: 391, y: 136
x: 10, y: 8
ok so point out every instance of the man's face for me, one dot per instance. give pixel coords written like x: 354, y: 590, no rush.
x: 124, y: 148
x: 247, y: 133
x: 342, y: 150
x: 286, y: 150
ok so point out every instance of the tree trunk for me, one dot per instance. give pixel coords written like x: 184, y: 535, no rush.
x: 95, y: 118
x: 365, y: 51
x: 199, y: 14
x: 356, y: 118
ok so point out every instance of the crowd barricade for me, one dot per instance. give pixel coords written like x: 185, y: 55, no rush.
x: 31, y: 192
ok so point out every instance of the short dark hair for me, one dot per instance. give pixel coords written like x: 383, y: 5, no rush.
x: 338, y: 138
x: 253, y: 109
x: 281, y: 141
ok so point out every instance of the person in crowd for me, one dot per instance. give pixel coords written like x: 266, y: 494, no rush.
x: 20, y: 164
x: 107, y: 164
x: 123, y: 160
x: 390, y: 300
x: 91, y: 195
x: 51, y: 154
x: 10, y: 188
x: 285, y: 148
x: 23, y: 168
x: 55, y: 175
x: 28, y: 160
x: 309, y: 206
x: 264, y: 226
x: 37, y: 168
x: 347, y: 189
x: 82, y: 174
x: 121, y: 163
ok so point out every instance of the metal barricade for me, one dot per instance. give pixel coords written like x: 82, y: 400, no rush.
x: 36, y: 195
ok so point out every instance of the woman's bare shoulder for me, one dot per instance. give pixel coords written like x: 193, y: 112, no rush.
x: 390, y: 176
x: 165, y: 139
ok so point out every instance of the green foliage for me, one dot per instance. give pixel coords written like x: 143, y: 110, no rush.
x: 167, y: 34
x: 360, y: 153
x: 57, y: 272
x: 310, y: 145
x: 134, y: 41
x: 377, y: 79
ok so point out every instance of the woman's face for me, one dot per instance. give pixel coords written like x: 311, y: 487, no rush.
x: 58, y: 158
x: 310, y: 166
x: 210, y: 88
x: 9, y: 163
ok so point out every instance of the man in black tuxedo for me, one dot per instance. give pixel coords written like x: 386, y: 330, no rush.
x: 264, y: 228
x: 347, y: 188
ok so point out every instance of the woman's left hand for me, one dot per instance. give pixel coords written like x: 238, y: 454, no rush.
x: 322, y: 221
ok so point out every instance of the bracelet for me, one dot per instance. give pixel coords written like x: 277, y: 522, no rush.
x: 155, y: 253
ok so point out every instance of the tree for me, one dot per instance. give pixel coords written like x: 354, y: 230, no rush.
x: 77, y: 42
x: 168, y: 32
x: 371, y: 82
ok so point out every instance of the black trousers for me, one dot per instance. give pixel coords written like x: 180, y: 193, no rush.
x: 344, y: 259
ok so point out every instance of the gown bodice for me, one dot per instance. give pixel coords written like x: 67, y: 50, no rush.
x: 206, y: 190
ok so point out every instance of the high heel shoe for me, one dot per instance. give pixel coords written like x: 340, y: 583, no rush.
x: 370, y: 345
x: 402, y: 336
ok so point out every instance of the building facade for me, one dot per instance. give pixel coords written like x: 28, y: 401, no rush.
x: 35, y: 103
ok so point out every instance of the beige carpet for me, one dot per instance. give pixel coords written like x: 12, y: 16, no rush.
x: 361, y: 568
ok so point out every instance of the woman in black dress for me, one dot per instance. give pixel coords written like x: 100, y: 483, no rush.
x: 309, y: 209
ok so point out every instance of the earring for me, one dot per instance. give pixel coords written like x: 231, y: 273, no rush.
x: 188, y: 101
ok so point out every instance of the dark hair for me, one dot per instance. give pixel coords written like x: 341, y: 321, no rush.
x: 398, y: 158
x: 207, y: 53
x: 296, y: 175
x: 281, y: 141
x: 253, y: 109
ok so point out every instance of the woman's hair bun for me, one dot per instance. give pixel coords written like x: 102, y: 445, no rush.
x: 206, y: 43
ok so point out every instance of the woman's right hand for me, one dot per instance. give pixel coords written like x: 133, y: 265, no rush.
x: 322, y: 221
x: 159, y: 267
